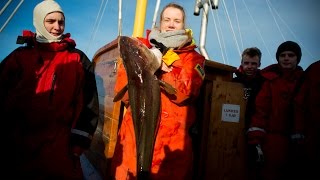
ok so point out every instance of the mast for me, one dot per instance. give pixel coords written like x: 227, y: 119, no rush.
x: 204, y: 22
x: 155, y: 14
x: 120, y: 19
x: 140, y: 17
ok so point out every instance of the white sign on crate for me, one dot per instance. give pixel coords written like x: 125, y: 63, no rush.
x: 230, y: 113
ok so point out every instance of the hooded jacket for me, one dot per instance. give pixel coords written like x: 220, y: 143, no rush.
x: 49, y: 106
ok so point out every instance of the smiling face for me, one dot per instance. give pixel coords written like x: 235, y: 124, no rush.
x: 54, y: 23
x: 288, y: 60
x: 171, y: 19
x: 250, y: 64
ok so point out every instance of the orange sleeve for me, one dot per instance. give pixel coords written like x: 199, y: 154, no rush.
x: 186, y: 78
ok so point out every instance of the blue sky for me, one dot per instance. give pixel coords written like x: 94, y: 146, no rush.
x: 237, y: 24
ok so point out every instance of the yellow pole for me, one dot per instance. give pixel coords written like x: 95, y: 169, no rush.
x: 140, y: 17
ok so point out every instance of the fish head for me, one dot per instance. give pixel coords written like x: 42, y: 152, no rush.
x: 132, y: 49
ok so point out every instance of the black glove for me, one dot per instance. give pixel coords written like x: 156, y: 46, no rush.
x: 255, y: 154
x: 163, y: 49
x: 297, y: 148
x: 298, y: 138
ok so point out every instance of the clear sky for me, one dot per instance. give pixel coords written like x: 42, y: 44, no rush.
x: 237, y: 24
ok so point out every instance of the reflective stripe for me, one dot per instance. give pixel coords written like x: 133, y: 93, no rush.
x: 256, y: 129
x: 81, y: 133
x: 297, y: 136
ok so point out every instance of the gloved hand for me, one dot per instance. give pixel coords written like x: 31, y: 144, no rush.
x: 157, y: 53
x: 159, y: 50
x: 255, y: 154
x: 297, y: 148
x: 298, y: 138
x: 163, y: 49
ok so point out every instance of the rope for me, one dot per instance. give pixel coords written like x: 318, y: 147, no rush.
x: 232, y: 30
x: 255, y: 25
x: 271, y: 12
x: 237, y: 18
x: 96, y: 25
x: 290, y: 30
x: 218, y: 36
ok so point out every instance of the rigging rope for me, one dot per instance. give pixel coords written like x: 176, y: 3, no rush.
x: 232, y: 30
x: 237, y: 18
x: 11, y: 15
x: 271, y: 12
x: 5, y: 6
x: 218, y: 36
x: 96, y: 25
x: 223, y: 40
x: 255, y: 25
x: 293, y: 34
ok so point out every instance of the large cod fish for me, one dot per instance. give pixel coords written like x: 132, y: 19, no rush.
x: 144, y: 97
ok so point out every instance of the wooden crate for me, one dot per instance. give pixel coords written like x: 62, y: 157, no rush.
x: 220, y: 145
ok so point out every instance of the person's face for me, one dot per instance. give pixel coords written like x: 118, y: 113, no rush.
x: 172, y: 19
x: 54, y: 23
x: 288, y: 60
x: 250, y: 65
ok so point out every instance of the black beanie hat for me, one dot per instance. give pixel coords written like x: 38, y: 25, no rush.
x: 289, y: 46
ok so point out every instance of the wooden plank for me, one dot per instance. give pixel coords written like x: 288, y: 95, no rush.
x: 214, y: 72
x: 200, y: 141
x: 102, y: 147
x: 218, y: 71
x: 225, y: 158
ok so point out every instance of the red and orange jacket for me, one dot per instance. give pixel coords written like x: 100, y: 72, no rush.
x: 172, y: 158
x: 48, y: 104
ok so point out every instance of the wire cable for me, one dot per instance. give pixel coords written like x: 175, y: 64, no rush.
x: 238, y: 24
x: 255, y: 25
x: 291, y: 31
x: 218, y: 36
x: 275, y: 20
x: 97, y: 23
x: 231, y: 26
